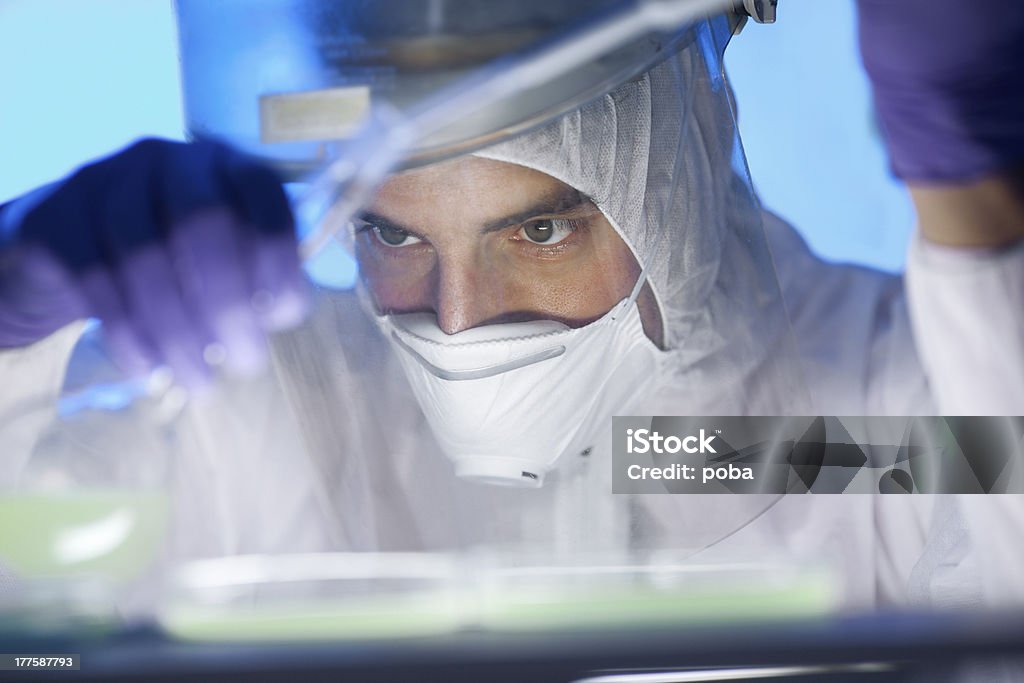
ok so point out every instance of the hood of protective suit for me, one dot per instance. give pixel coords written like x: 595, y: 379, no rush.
x: 661, y: 158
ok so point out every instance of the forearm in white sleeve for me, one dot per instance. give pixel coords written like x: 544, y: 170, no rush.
x: 967, y: 307
x: 967, y: 311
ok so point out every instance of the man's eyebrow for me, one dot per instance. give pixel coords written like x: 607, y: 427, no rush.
x: 562, y: 200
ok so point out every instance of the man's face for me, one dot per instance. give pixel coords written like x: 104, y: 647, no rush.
x: 478, y: 241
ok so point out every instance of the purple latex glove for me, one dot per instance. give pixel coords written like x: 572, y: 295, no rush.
x: 948, y: 80
x: 173, y: 246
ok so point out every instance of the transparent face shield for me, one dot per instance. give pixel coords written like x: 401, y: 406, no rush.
x: 485, y: 269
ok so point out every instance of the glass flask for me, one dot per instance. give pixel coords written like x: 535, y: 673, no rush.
x: 84, y: 507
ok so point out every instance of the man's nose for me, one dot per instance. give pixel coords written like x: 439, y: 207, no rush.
x: 464, y: 297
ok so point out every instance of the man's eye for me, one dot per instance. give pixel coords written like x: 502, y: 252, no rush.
x: 547, y: 231
x: 394, y: 237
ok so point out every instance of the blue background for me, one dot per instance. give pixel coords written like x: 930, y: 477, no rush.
x: 81, y: 79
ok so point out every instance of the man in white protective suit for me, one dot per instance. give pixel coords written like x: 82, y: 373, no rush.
x: 613, y: 260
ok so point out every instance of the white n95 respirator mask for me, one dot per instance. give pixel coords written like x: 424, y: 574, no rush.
x: 505, y: 401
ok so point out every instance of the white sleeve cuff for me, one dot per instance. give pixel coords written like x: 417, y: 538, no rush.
x: 30, y: 382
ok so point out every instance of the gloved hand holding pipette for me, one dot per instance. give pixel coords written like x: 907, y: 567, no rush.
x: 181, y: 250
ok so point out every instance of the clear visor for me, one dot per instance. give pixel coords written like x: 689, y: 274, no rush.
x: 524, y: 250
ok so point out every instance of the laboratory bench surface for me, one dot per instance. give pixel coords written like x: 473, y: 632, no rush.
x: 871, y: 647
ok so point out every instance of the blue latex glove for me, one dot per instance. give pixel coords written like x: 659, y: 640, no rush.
x: 172, y: 246
x: 948, y: 80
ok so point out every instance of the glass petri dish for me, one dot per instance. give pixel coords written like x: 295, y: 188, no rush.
x: 357, y: 596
